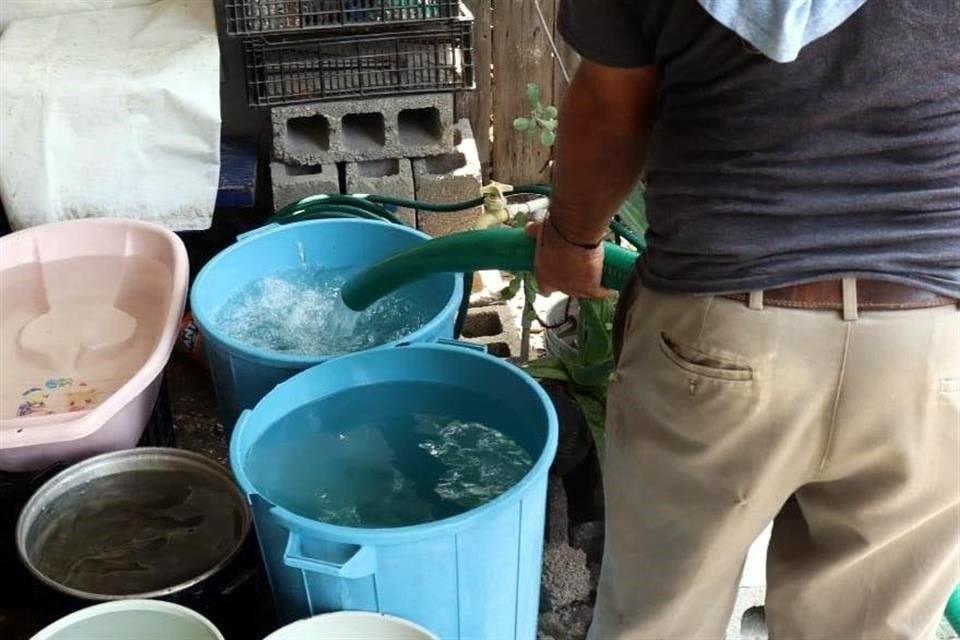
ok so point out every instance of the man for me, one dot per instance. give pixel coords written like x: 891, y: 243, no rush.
x: 790, y: 348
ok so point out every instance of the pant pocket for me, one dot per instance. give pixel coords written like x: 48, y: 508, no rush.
x: 699, y: 363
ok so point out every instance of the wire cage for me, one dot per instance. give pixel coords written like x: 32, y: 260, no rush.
x: 258, y: 17
x: 423, y: 59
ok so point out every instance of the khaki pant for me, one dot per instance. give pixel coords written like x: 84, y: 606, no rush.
x: 722, y: 418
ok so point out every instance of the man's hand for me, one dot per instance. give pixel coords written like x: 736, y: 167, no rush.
x: 604, y: 125
x: 563, y: 266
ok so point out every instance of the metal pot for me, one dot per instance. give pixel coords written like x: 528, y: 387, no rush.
x: 139, y: 523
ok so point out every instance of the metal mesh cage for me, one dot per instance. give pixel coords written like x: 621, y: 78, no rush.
x: 249, y: 17
x: 306, y: 69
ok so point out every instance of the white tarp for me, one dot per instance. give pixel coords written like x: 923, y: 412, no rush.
x: 111, y: 113
x: 11, y: 10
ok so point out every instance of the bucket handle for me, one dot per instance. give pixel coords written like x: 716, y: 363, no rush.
x: 482, y: 348
x: 361, y: 564
x: 473, y: 346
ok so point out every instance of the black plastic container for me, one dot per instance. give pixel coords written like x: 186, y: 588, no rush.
x: 260, y: 17
x: 422, y: 59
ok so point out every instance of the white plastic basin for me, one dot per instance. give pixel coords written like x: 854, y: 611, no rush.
x: 352, y: 625
x: 128, y: 619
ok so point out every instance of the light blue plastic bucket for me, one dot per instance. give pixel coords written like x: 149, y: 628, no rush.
x: 475, y: 575
x: 242, y: 373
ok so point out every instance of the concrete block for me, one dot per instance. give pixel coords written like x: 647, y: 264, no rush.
x: 494, y: 327
x: 451, y: 177
x: 755, y: 568
x: 292, y: 182
x: 748, y: 621
x: 391, y: 177
x: 367, y: 129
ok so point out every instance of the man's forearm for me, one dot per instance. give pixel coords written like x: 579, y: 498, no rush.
x: 601, y: 144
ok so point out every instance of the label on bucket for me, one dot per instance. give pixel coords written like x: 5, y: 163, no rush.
x: 389, y: 455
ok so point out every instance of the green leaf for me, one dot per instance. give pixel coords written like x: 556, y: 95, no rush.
x: 550, y: 112
x: 550, y: 125
x: 595, y: 413
x: 633, y: 211
x: 533, y: 94
x: 521, y: 124
x: 547, y: 368
x: 511, y: 290
x: 548, y: 137
x: 529, y: 295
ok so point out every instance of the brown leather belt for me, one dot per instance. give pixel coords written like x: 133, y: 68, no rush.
x: 872, y: 295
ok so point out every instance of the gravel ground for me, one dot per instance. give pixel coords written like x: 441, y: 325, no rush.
x: 195, y: 409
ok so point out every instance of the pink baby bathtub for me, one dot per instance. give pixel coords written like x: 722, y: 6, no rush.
x: 89, y: 311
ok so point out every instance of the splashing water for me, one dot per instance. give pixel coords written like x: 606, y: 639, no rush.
x: 351, y: 462
x: 299, y: 311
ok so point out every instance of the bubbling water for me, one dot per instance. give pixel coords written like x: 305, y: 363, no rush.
x: 299, y: 311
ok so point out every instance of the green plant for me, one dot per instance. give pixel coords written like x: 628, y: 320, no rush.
x: 542, y: 119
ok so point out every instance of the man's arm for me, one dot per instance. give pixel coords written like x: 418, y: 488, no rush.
x: 601, y: 144
x: 605, y: 123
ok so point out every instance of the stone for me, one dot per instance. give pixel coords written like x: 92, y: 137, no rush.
x: 389, y: 177
x: 569, y: 623
x: 448, y: 178
x: 363, y: 129
x: 566, y: 578
x: 291, y: 182
x: 588, y: 537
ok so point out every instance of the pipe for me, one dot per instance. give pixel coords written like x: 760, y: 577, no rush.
x: 503, y: 249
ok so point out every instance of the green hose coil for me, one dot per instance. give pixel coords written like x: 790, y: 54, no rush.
x: 503, y: 249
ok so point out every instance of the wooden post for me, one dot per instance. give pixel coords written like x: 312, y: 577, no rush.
x: 521, y: 54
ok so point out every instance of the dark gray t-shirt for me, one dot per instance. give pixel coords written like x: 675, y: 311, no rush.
x: 843, y: 163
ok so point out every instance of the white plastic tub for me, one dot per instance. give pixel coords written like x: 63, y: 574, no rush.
x: 352, y: 625
x: 129, y: 619
x: 89, y: 311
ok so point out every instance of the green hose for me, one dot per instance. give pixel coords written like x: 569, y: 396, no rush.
x: 295, y: 210
x: 376, y: 205
x: 953, y: 610
x: 503, y: 249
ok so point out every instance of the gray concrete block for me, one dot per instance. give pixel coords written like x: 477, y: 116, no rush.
x: 390, y: 177
x: 494, y: 327
x: 748, y: 621
x: 291, y: 182
x: 367, y: 129
x: 451, y: 177
x: 755, y: 567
